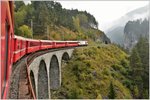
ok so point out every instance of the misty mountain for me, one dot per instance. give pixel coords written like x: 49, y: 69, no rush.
x: 133, y: 31
x: 115, y: 33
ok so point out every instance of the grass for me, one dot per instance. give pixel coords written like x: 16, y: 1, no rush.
x: 90, y: 71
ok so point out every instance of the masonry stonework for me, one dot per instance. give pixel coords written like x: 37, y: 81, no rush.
x: 52, y: 61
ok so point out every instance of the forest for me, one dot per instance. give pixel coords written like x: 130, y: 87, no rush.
x: 49, y: 20
x: 101, y: 70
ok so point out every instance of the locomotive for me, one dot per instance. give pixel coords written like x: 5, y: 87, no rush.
x: 15, y: 47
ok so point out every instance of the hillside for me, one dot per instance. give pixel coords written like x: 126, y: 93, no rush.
x: 102, y: 71
x: 91, y: 70
x: 48, y: 20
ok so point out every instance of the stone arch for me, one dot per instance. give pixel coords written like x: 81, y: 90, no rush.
x: 33, y: 81
x: 65, y: 56
x: 42, y: 81
x: 54, y: 73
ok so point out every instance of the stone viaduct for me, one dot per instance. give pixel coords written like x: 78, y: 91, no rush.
x: 45, y: 72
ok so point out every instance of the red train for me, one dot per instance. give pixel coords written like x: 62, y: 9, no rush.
x: 15, y: 47
x: 23, y: 46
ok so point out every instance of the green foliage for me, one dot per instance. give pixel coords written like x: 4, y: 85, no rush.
x: 116, y: 67
x: 73, y: 94
x: 146, y: 94
x: 76, y: 23
x: 18, y: 5
x: 127, y: 83
x: 136, y: 92
x: 135, y: 60
x: 139, y: 62
x: 45, y: 17
x: 20, y: 17
x: 138, y: 27
x: 112, y: 93
x: 125, y: 63
x: 106, y: 71
x: 25, y: 31
x: 99, y: 96
x: 90, y: 72
x: 83, y: 20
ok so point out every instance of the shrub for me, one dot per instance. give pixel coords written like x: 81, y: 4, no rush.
x: 116, y: 67
x: 25, y: 31
x: 99, y: 96
x: 124, y: 63
x: 123, y: 71
x: 73, y: 94
x: 106, y: 72
x: 136, y: 91
x: 127, y: 83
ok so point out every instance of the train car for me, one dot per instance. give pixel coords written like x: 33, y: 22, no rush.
x: 32, y: 45
x: 7, y: 33
x: 60, y: 44
x: 46, y: 44
x: 72, y: 43
x: 82, y: 43
x: 20, y: 47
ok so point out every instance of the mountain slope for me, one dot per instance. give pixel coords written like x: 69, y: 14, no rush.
x: 112, y: 32
x: 48, y: 20
x: 133, y: 31
x: 89, y: 74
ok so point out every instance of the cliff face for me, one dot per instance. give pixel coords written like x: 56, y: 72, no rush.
x: 116, y: 31
x: 103, y: 38
x: 133, y: 31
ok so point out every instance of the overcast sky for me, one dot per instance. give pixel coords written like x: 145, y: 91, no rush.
x: 105, y: 12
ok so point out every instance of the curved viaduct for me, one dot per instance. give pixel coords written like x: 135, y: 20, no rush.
x: 45, y: 72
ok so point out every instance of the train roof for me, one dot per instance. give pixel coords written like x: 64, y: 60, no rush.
x: 23, y: 38
x: 28, y: 39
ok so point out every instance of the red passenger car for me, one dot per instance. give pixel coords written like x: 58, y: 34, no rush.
x: 7, y: 33
x: 32, y: 45
x: 59, y: 44
x: 20, y: 47
x: 45, y: 44
x: 72, y: 43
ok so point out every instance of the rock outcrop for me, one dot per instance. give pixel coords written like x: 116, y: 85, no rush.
x: 133, y: 31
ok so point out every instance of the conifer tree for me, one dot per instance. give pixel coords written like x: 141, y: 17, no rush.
x: 137, y: 70
x: 112, y: 93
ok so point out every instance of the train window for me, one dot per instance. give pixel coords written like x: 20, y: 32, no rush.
x: 17, y: 45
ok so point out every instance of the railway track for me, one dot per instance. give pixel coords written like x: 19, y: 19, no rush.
x: 20, y: 84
